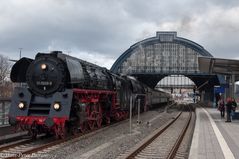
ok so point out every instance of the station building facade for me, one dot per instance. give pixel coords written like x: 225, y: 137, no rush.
x: 154, y: 58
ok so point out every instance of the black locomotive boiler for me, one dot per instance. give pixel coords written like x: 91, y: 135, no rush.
x: 65, y: 94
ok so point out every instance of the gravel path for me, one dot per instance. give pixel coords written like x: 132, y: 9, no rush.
x: 113, y: 141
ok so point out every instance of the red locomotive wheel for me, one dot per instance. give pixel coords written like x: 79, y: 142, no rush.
x: 99, y: 117
x: 99, y: 122
x: 107, y: 120
x: 62, y: 135
x: 60, y: 132
x: 83, y: 127
x: 91, y: 124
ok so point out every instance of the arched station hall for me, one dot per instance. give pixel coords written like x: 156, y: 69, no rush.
x: 152, y: 59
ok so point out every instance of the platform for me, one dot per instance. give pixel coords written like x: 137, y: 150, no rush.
x: 214, y: 138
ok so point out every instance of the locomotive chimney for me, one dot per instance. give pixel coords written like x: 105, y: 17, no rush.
x: 56, y: 52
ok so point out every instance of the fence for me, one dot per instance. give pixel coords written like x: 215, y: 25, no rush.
x: 4, y: 109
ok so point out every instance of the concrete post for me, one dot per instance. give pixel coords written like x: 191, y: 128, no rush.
x: 130, y: 114
x: 138, y: 121
x: 3, y: 112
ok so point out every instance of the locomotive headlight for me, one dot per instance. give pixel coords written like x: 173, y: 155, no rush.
x: 56, y: 106
x: 21, y: 105
x: 43, y: 66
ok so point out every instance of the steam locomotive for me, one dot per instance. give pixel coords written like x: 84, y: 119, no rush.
x: 65, y: 95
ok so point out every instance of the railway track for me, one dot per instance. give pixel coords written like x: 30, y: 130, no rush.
x: 4, y: 140
x: 21, y: 147
x: 28, y: 148
x: 164, y: 142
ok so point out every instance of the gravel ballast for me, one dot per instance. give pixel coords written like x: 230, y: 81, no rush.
x: 113, y: 141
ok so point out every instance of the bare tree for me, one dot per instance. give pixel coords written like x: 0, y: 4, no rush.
x: 5, y: 84
x: 4, y: 68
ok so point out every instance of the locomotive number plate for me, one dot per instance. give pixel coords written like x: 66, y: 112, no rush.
x: 44, y: 83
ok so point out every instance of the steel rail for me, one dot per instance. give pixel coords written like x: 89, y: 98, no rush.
x: 144, y: 144
x: 140, y: 147
x: 174, y: 150
x: 15, y: 144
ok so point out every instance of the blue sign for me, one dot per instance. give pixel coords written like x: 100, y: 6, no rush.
x: 219, y: 89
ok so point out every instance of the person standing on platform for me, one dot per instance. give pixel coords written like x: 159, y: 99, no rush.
x: 234, y: 105
x: 221, y: 107
x: 229, y: 109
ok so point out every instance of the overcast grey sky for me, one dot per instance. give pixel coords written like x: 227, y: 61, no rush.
x: 99, y: 31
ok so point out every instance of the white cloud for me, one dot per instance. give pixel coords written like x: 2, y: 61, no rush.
x: 107, y: 28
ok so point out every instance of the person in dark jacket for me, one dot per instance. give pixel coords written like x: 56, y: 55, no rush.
x: 234, y: 104
x: 221, y: 107
x: 229, y: 109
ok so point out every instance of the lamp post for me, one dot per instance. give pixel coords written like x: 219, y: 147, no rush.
x: 20, y: 53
